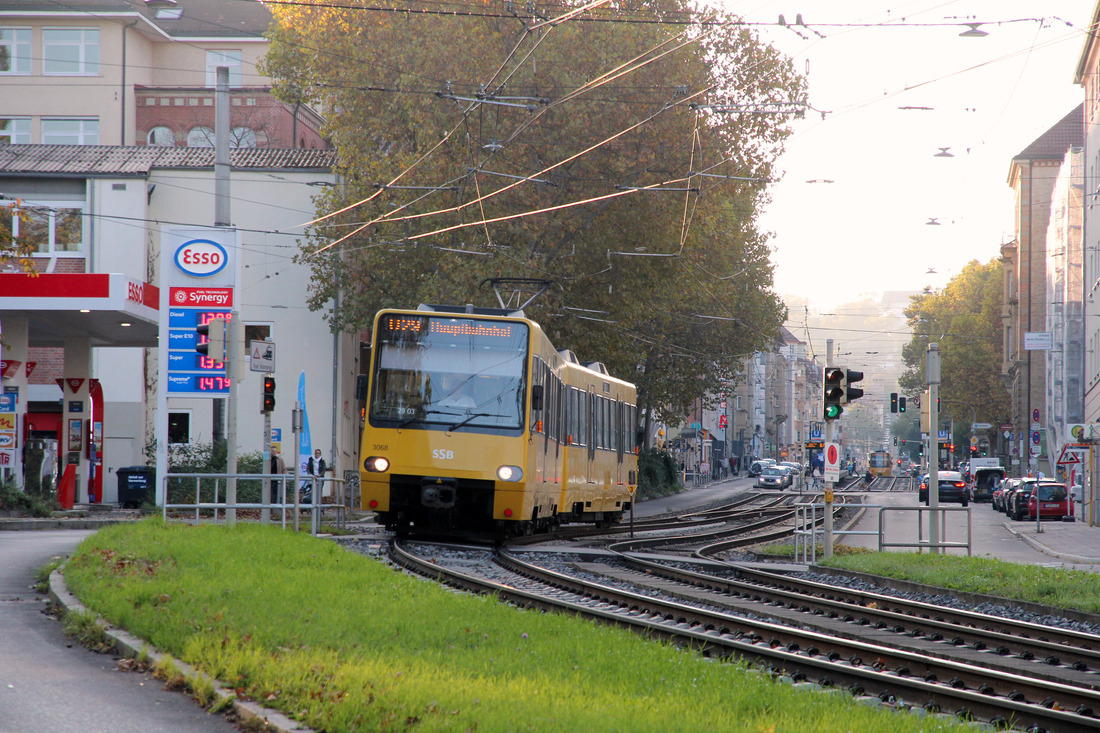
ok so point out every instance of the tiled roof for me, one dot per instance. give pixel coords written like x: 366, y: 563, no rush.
x: 118, y: 160
x: 1069, y: 132
x: 200, y: 18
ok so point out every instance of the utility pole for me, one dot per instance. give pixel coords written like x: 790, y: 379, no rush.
x: 235, y: 333
x: 829, y: 433
x: 932, y: 376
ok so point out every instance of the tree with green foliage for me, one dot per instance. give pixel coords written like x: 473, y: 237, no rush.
x: 621, y: 153
x: 965, y: 320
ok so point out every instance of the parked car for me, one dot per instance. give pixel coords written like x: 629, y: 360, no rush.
x: 775, y: 477
x: 1047, y: 498
x: 952, y: 488
x: 759, y: 465
x: 797, y: 469
x: 1002, y: 490
x: 1013, y: 495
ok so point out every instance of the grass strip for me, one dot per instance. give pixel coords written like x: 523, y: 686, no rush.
x: 342, y: 642
x: 1062, y: 587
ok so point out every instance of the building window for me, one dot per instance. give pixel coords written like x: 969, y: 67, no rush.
x: 161, y: 135
x: 70, y: 51
x: 255, y: 332
x: 15, y: 130
x: 70, y: 131
x: 179, y: 428
x: 53, y: 227
x: 15, y: 51
x: 242, y: 137
x: 214, y: 59
x: 200, y: 137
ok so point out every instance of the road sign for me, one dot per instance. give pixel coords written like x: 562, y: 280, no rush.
x: 263, y: 356
x: 1035, y: 415
x: 832, y: 461
x: 1069, y: 457
x: 981, y: 426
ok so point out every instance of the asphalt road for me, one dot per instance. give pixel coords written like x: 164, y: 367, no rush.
x: 48, y: 684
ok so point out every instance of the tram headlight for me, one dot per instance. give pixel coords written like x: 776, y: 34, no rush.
x: 509, y: 473
x: 377, y: 464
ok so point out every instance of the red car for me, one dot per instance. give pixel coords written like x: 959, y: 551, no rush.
x: 1050, y: 500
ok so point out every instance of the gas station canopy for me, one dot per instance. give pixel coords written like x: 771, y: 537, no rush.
x: 110, y: 309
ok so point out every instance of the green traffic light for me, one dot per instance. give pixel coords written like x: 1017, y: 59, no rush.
x: 832, y: 412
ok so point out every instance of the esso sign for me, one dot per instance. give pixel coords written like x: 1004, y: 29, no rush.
x: 201, y: 258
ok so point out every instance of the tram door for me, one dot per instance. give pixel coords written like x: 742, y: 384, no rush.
x: 591, y: 434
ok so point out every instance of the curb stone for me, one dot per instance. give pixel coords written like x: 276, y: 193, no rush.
x: 127, y: 645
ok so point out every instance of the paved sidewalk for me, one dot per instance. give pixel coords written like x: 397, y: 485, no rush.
x: 1074, y: 542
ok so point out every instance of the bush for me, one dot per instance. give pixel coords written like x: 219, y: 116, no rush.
x: 657, y: 474
x: 211, y: 458
x: 14, y: 500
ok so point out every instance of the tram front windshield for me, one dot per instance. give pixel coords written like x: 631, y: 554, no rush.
x: 455, y: 372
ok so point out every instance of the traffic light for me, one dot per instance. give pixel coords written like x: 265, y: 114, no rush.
x: 893, y: 402
x: 852, y: 393
x: 832, y: 390
x: 211, y: 340
x: 269, y: 394
x: 901, y: 403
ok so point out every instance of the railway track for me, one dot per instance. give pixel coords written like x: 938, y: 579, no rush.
x: 907, y: 653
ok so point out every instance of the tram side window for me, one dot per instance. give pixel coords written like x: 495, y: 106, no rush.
x: 608, y: 425
x: 580, y: 433
x: 572, y: 422
x: 601, y: 406
x: 597, y: 422
x: 631, y: 426
x: 617, y: 429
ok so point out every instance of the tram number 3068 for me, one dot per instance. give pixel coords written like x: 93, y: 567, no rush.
x: 443, y: 455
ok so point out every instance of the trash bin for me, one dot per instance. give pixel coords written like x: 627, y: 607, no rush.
x: 135, y: 485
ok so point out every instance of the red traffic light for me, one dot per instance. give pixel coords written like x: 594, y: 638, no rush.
x: 269, y: 395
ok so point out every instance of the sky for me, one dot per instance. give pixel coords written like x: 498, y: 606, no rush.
x: 867, y: 230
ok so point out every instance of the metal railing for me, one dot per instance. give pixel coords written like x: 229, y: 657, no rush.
x: 922, y: 543
x: 210, y: 492
x: 807, y: 532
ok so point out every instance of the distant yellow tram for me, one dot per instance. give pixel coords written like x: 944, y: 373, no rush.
x: 881, y: 464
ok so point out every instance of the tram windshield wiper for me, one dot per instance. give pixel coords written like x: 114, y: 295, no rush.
x: 424, y: 414
x: 470, y: 417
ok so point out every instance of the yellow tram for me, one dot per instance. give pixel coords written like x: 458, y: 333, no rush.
x: 880, y: 464
x: 476, y: 425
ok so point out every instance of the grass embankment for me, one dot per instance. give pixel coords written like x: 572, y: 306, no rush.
x: 1065, y: 588
x: 344, y: 643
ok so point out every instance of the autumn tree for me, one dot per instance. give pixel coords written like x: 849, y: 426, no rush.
x: 17, y: 240
x: 965, y: 320
x: 620, y: 152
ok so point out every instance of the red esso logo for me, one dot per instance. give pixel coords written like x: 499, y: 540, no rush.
x: 201, y: 258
